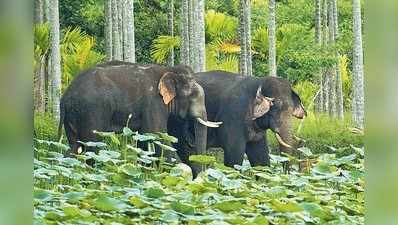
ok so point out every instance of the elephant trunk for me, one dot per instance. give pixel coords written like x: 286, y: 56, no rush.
x: 200, y: 136
x: 284, y: 134
x: 285, y: 138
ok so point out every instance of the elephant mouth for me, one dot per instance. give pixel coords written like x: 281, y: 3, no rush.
x: 281, y: 141
x: 208, y: 123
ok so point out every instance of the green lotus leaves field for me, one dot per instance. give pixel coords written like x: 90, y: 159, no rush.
x: 131, y: 186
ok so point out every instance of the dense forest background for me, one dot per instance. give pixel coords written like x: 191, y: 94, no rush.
x: 300, y: 56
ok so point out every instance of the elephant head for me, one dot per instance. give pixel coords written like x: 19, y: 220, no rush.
x: 277, y: 103
x: 185, y: 99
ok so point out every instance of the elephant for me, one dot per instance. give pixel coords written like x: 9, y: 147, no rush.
x: 247, y: 107
x: 103, y: 98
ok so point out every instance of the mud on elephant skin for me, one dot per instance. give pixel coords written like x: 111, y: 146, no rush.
x: 247, y: 106
x: 102, y: 98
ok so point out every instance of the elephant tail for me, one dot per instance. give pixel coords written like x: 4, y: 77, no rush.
x: 61, y: 120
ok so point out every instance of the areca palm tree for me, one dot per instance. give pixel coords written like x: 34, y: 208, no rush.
x: 358, y: 111
x: 221, y: 47
x: 55, y: 59
x: 77, y: 54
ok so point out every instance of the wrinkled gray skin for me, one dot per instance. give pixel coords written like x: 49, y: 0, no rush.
x: 231, y: 99
x: 103, y: 97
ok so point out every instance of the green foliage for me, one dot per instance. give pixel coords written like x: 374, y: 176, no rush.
x: 219, y: 26
x: 77, y: 53
x: 132, y: 189
x: 218, y: 61
x: 260, y: 43
x: 347, y: 81
x: 77, y: 50
x: 41, y: 40
x: 45, y: 127
x: 88, y: 15
x: 298, y: 57
x: 162, y: 47
x: 306, y: 90
x: 320, y: 131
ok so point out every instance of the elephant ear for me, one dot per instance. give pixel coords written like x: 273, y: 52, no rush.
x: 261, y: 105
x: 167, y: 87
x: 298, y: 108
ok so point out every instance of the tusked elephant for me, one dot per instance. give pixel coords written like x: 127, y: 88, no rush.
x: 246, y: 106
x: 103, y: 97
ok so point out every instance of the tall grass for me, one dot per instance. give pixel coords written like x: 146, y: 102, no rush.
x: 320, y: 131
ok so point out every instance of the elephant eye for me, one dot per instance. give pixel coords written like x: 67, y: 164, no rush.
x: 278, y: 102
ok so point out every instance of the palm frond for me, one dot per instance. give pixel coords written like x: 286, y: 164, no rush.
x: 260, y: 42
x: 220, y: 26
x: 215, y: 61
x: 41, y: 39
x: 162, y: 46
x: 79, y: 58
x: 72, y: 38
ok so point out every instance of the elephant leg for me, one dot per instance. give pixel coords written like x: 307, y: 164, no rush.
x: 153, y: 120
x: 233, y: 141
x: 89, y: 123
x: 71, y: 135
x: 257, y: 153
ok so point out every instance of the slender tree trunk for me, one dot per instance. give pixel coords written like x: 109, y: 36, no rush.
x: 358, y: 112
x: 39, y: 88
x: 192, y: 36
x: 123, y: 22
x: 39, y: 13
x: 272, y: 38
x: 318, y: 22
x: 170, y: 27
x: 336, y: 21
x: 46, y: 10
x: 49, y: 86
x: 200, y: 32
x: 185, y: 54
x: 332, y: 70
x: 248, y: 37
x: 326, y: 92
x: 55, y: 59
x: 318, y: 41
x: 325, y: 83
x: 245, y: 64
x: 128, y: 29
x: 120, y: 10
x: 339, y: 82
x: 242, y: 37
x: 116, y: 48
x: 39, y: 79
x: 108, y: 29
x: 339, y: 92
x: 45, y: 63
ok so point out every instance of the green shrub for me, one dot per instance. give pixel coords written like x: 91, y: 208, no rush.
x: 321, y: 131
x: 306, y: 90
x: 45, y: 127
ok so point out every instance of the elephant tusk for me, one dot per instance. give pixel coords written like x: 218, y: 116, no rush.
x: 280, y: 140
x: 79, y: 150
x: 297, y: 138
x: 209, y: 123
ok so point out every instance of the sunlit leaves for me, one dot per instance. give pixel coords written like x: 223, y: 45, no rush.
x: 162, y: 47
